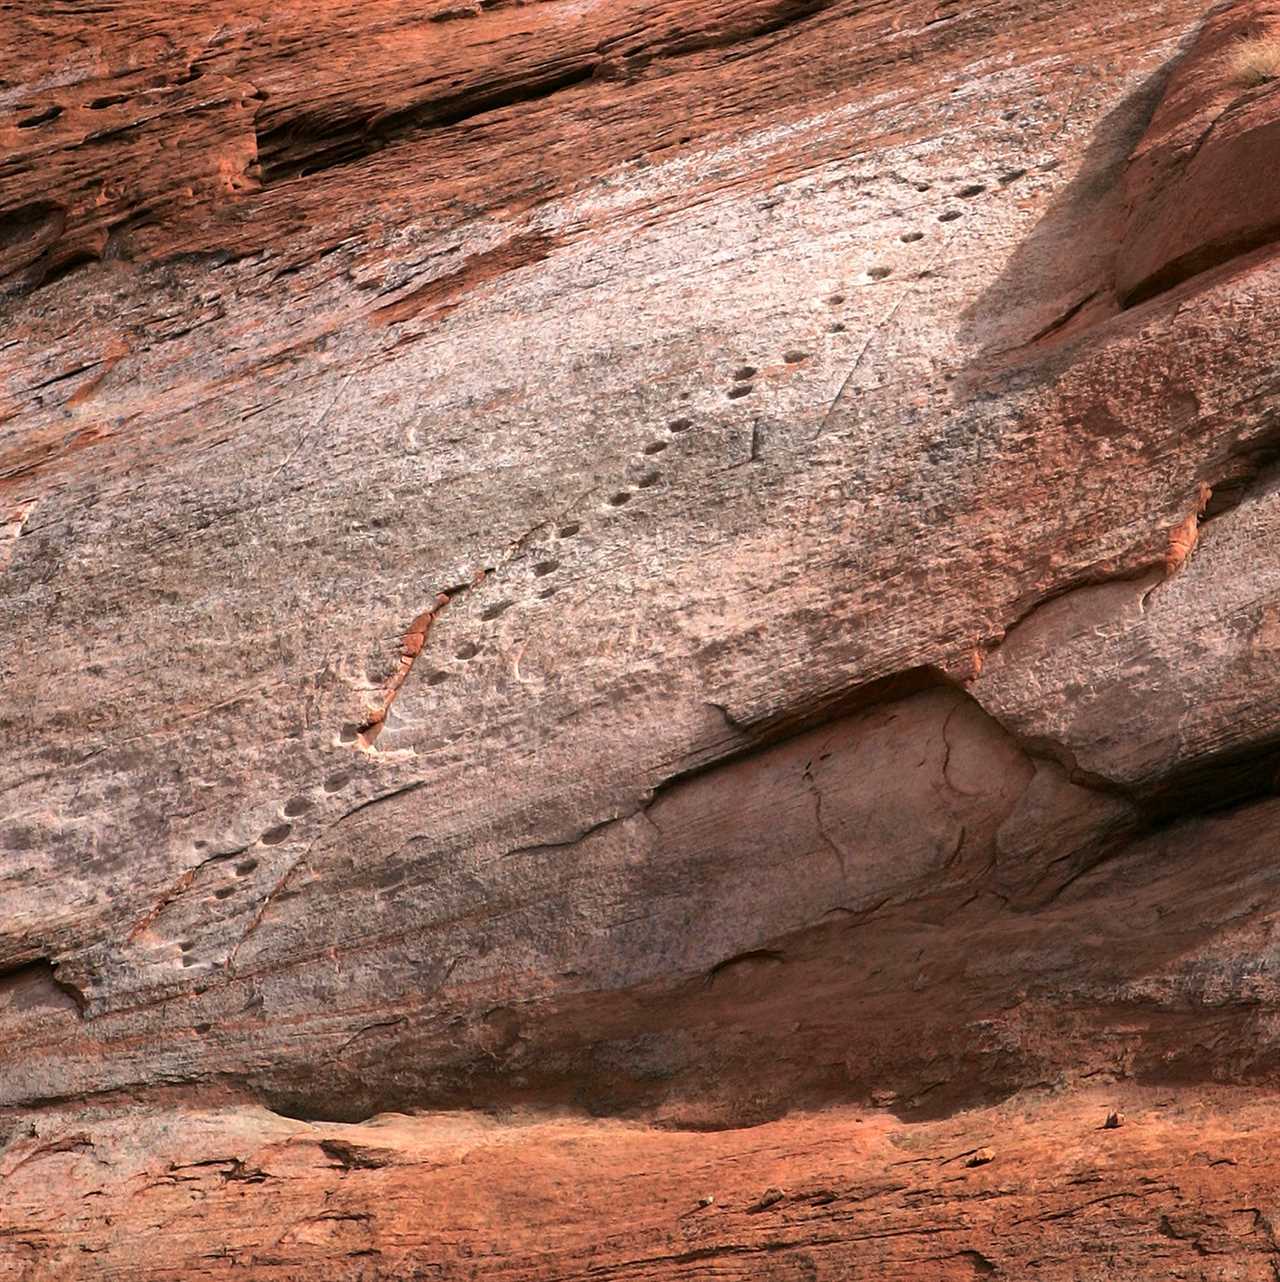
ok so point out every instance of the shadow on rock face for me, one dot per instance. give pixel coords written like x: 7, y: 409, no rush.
x: 1061, y: 277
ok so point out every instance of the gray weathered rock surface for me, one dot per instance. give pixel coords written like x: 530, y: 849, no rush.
x: 599, y: 575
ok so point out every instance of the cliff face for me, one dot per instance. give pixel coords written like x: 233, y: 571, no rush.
x: 640, y: 641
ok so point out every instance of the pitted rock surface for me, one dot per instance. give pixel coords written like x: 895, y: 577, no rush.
x: 613, y: 604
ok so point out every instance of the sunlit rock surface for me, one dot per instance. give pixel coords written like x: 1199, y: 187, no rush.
x: 634, y: 636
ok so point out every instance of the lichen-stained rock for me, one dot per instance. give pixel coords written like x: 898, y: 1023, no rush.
x: 691, y: 567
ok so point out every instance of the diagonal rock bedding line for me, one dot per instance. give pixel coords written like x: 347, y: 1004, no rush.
x: 851, y: 778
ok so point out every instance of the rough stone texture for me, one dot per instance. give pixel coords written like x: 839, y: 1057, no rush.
x: 1199, y: 186
x: 1184, y: 1187
x: 608, y: 604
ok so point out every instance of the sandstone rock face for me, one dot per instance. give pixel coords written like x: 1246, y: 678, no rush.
x: 640, y: 641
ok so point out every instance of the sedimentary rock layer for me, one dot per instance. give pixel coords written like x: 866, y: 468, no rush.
x: 607, y: 599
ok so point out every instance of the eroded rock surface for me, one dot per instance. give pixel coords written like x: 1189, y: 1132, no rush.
x: 611, y: 605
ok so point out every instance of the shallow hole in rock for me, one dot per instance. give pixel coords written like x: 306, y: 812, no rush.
x: 837, y: 328
x: 40, y: 118
x: 568, y: 531
x: 224, y: 892
x: 910, y: 237
x: 648, y: 479
x: 835, y: 300
x: 1012, y: 176
x: 547, y: 592
x: 973, y: 189
x: 246, y: 866
x: 655, y: 447
x: 493, y: 611
x: 349, y: 733
x: 617, y: 500
x: 924, y: 186
x: 466, y: 651
x: 742, y: 389
x: 680, y: 425
x: 274, y: 836
x: 879, y: 273
x: 65, y: 266
x: 795, y: 357
x: 950, y: 216
x: 296, y: 806
x: 202, y: 1029
x: 437, y: 677
x: 336, y: 782
x: 744, y: 373
x: 543, y: 568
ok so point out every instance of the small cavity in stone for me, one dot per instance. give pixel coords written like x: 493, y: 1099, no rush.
x: 40, y: 118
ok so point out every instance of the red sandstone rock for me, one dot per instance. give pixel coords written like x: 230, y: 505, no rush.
x: 1200, y: 185
x: 1184, y: 1189
x: 632, y: 633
